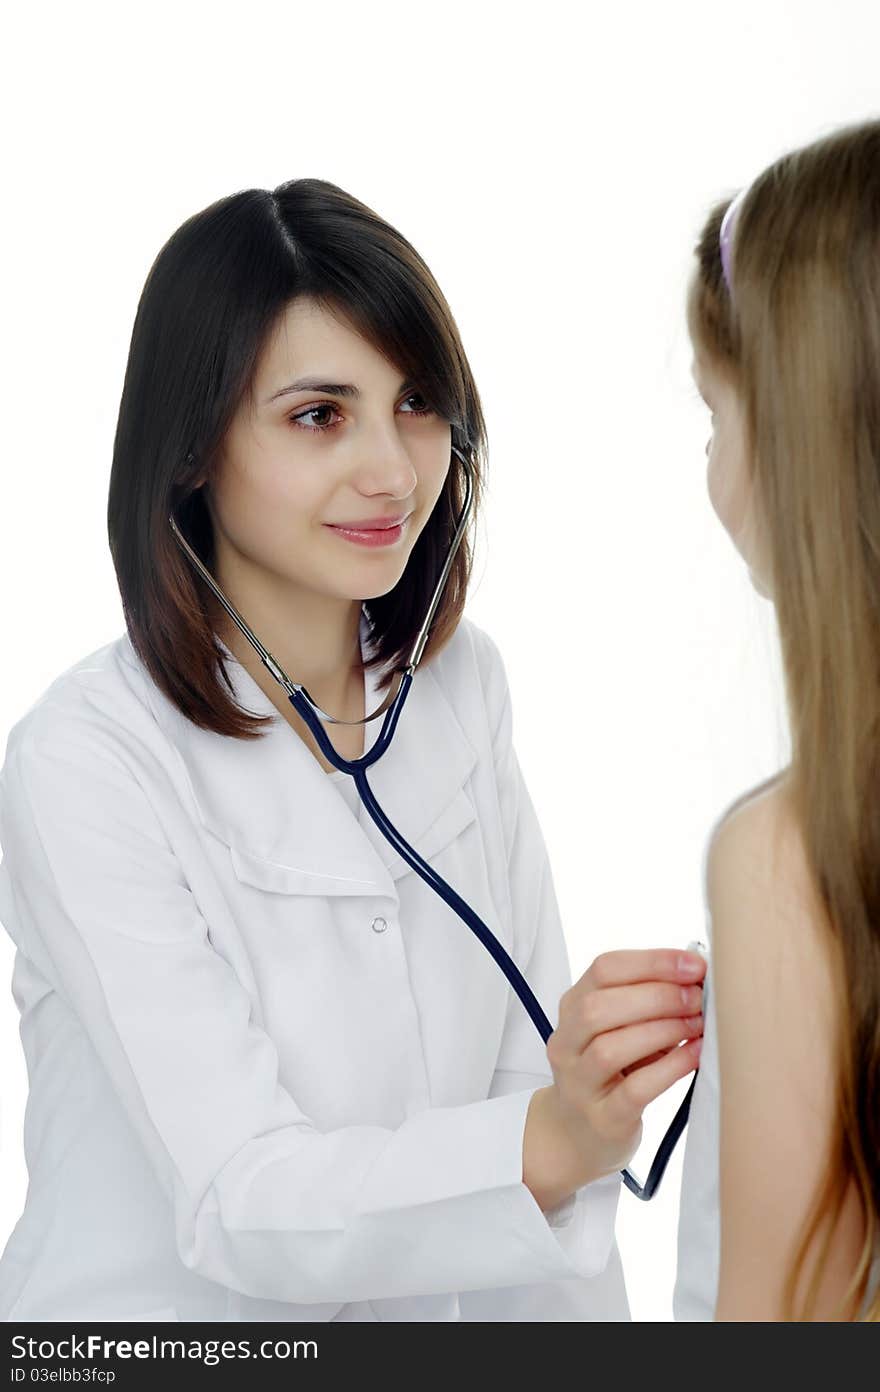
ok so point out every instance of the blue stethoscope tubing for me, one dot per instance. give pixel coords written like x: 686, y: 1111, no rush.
x: 312, y: 715
x: 357, y: 768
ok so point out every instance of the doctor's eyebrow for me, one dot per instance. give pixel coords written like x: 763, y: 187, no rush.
x: 331, y: 388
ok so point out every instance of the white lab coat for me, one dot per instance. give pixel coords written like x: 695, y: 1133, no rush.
x: 272, y: 1075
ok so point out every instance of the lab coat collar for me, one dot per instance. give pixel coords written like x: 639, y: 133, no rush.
x: 286, y: 822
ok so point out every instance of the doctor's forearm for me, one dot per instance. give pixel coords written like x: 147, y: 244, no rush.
x: 553, y: 1165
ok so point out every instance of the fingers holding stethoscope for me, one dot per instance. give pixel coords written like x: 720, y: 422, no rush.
x: 622, y: 1052
x: 628, y: 1029
x: 596, y: 1009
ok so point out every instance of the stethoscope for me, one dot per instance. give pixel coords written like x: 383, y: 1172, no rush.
x: 392, y: 705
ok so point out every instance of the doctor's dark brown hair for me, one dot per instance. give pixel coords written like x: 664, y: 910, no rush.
x: 800, y: 341
x: 211, y: 300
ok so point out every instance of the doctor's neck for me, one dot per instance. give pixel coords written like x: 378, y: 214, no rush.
x: 315, y: 637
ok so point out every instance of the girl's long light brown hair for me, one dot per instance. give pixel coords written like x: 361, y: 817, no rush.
x: 800, y: 339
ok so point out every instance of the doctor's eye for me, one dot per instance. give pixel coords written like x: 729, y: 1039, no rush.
x: 315, y: 411
x: 417, y: 396
x: 319, y: 412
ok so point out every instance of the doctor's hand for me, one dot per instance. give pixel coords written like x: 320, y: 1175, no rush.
x: 615, y: 1049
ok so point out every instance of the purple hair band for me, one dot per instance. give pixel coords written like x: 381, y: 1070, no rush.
x: 726, y: 239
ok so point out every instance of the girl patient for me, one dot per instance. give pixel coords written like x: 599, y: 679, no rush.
x: 784, y: 317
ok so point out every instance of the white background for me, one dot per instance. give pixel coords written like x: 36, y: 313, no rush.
x: 553, y: 165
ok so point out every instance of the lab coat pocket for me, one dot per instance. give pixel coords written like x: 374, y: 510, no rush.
x: 269, y: 875
x: 263, y: 873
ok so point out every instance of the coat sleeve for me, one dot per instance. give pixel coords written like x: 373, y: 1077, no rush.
x: 263, y: 1201
x: 584, y: 1223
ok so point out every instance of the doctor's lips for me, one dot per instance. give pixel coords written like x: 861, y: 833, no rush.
x: 372, y: 531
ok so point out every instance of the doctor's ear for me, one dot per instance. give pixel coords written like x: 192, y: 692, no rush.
x: 189, y: 461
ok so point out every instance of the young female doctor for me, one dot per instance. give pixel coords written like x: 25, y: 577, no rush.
x: 272, y: 1075
x: 780, y: 1209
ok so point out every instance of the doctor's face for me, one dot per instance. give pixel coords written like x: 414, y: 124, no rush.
x: 728, y: 480
x: 353, y: 444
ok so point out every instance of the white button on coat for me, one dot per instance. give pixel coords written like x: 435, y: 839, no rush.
x: 242, y: 1105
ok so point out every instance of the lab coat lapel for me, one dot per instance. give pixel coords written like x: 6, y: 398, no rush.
x: 419, y: 780
x: 288, y: 827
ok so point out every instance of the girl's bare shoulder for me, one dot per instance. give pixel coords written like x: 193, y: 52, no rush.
x: 770, y: 930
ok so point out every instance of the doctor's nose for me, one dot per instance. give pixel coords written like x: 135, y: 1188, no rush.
x: 384, y: 465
